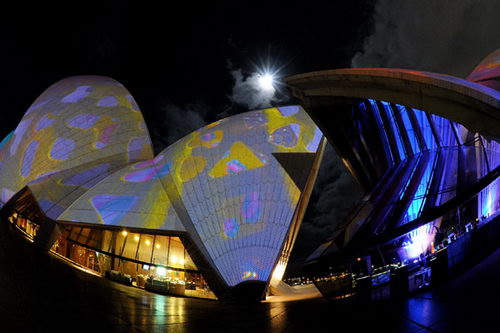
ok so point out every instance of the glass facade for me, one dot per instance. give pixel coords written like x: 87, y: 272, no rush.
x: 155, y: 262
x: 27, y: 227
x: 428, y: 161
x: 428, y: 181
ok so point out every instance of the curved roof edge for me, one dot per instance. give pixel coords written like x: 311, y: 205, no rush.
x: 83, y: 80
x: 487, y: 69
x: 470, y: 104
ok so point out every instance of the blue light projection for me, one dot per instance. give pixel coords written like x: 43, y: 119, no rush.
x: 420, y: 196
x: 383, y: 131
x: 231, y: 227
x: 412, y: 137
x: 108, y: 101
x: 83, y: 121
x: 77, y: 95
x: 433, y: 139
x: 419, y: 241
x: 395, y: 130
x: 251, y: 208
x: 45, y: 122
x: 62, y: 148
x: 112, y: 208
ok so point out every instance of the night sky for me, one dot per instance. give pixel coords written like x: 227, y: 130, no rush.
x: 182, y: 63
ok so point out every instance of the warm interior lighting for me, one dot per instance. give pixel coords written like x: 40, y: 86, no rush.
x: 161, y: 271
x: 174, y: 259
x: 136, y: 238
x: 181, y: 261
x: 124, y: 233
x: 279, y: 271
x: 157, y: 246
x: 148, y: 242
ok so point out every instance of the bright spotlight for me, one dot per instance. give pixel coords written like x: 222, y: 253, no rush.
x: 266, y: 82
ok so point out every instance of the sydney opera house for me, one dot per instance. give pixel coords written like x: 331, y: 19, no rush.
x: 216, y: 214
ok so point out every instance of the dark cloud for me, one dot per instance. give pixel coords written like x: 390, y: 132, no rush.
x: 336, y: 194
x: 434, y: 35
x: 177, y: 122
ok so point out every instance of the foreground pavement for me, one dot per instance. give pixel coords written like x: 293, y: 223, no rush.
x: 40, y: 294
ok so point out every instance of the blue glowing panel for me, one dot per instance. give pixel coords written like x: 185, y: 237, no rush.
x: 83, y: 121
x: 62, y: 148
x: 143, y: 175
x: 426, y: 129
x: 489, y: 200
x: 410, y: 131
x: 130, y: 197
x: 231, y: 227
x: 87, y: 175
x: 445, y: 132
x: 112, y: 208
x: 382, y: 130
x: 77, y: 95
x: 45, y: 122
x: 395, y: 130
x: 108, y: 101
x: 289, y: 110
x: 418, y: 201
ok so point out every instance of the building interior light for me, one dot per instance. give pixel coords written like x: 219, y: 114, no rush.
x: 124, y: 233
x: 279, y: 271
x: 161, y: 271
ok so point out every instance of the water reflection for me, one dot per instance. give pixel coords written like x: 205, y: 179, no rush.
x: 36, y: 289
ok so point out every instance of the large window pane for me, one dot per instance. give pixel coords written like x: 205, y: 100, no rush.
x: 145, y: 248
x: 176, y: 255
x: 131, y: 245
x: 160, y: 254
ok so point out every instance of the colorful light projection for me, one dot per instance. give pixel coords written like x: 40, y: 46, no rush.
x: 249, y: 276
x: 112, y: 208
x: 239, y: 158
x: 231, y: 227
x: 87, y: 157
x: 79, y: 121
x: 240, y: 194
x: 251, y: 208
x: 224, y: 181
